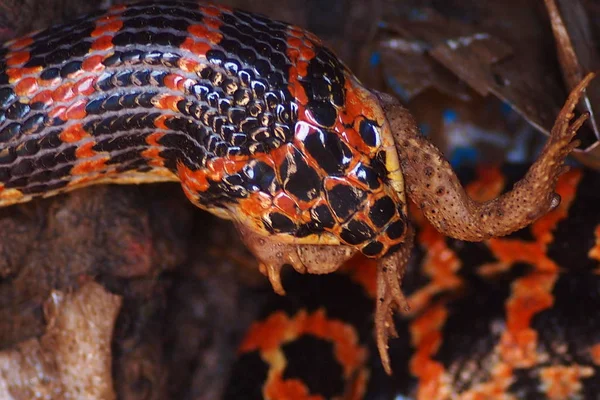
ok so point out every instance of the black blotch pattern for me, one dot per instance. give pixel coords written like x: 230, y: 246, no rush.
x: 45, y: 187
x: 8, y: 155
x: 322, y: 217
x: 70, y: 41
x: 325, y: 79
x: 250, y: 371
x: 305, y: 356
x: 3, y: 76
x: 356, y: 232
x: 372, y: 249
x: 299, y: 179
x: 323, y: 112
x: 121, y: 142
x: 7, y: 97
x: 382, y: 210
x: 186, y: 10
x: 279, y: 223
x: 259, y: 176
x: 368, y: 176
x: 462, y: 352
x: 574, y: 236
x: 345, y: 200
x: 572, y: 319
x: 328, y: 150
x: 115, y: 123
x: 22, y: 168
x: 369, y: 131
x: 192, y: 155
x: 28, y: 148
x: 396, y: 229
x: 10, y: 131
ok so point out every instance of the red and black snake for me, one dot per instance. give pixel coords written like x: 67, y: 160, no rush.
x: 510, y: 318
x: 258, y: 120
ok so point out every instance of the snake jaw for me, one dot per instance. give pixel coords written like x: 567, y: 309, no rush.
x: 273, y: 254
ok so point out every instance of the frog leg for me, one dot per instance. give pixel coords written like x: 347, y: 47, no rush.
x: 390, y: 271
x: 433, y: 186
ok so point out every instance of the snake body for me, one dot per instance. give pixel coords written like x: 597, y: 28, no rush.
x: 258, y: 120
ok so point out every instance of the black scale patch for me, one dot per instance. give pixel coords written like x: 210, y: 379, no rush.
x: 574, y: 236
x: 324, y: 87
x: 312, y: 361
x: 248, y: 373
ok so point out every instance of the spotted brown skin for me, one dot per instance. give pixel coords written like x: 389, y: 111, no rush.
x: 259, y: 122
x: 511, y: 317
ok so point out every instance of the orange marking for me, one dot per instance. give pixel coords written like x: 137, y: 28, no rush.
x: 195, y: 180
x: 93, y: 63
x: 278, y: 328
x: 117, y: 8
x: 213, y: 11
x: 189, y: 65
x: 159, y: 122
x: 89, y: 166
x: 102, y: 43
x: 489, y: 184
x: 255, y: 204
x: 294, y: 42
x: 63, y: 93
x: 302, y: 67
x: 14, y: 74
x: 564, y: 382
x: 111, y: 26
x: 174, y: 81
x: 594, y: 252
x: 17, y: 58
x: 213, y: 36
x: 43, y: 97
x: 153, y: 156
x: 441, y: 265
x: 219, y: 167
x: 73, y: 134
x: 76, y: 110
x: 22, y: 42
x: 298, y: 69
x: 501, y: 379
x: 306, y: 52
x: 426, y: 338
x: 198, y: 48
x: 57, y: 112
x: 168, y: 102
x: 85, y: 86
x: 359, y: 102
x: 26, y: 87
x: 200, y: 31
x: 286, y: 204
x: 85, y: 150
x: 363, y: 271
x: 595, y: 352
x: 279, y: 388
x: 296, y: 31
x: 532, y: 293
x: 566, y: 187
x: 153, y: 139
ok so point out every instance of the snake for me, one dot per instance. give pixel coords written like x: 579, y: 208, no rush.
x: 507, y: 318
x: 261, y: 124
